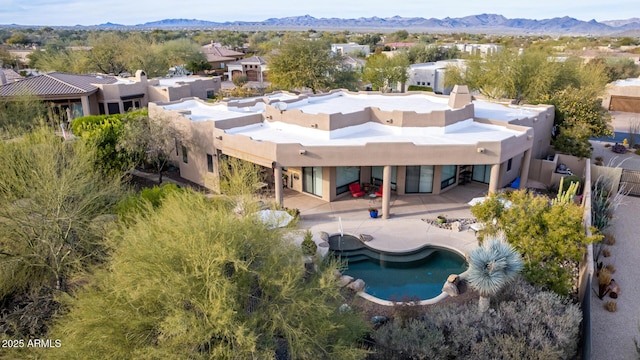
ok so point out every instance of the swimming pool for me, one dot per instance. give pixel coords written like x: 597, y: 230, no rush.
x: 417, y: 274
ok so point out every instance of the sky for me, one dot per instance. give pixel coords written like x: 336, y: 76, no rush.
x: 132, y: 12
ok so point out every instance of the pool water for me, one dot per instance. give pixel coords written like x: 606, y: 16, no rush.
x: 398, y: 282
x: 418, y: 274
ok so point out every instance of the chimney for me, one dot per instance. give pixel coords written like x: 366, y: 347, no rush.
x: 459, y: 97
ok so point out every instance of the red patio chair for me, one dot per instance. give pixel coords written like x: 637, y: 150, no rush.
x: 355, y: 189
x: 379, y: 192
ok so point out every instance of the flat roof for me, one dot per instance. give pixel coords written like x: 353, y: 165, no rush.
x: 346, y: 103
x: 628, y: 82
x: 200, y: 111
x: 464, y: 132
x: 502, y: 111
x: 174, y: 80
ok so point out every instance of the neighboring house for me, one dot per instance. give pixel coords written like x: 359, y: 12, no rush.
x: 623, y: 95
x: 350, y: 48
x: 431, y: 75
x: 8, y: 76
x: 399, y: 45
x: 219, y: 56
x: 320, y: 144
x: 102, y: 94
x: 476, y: 49
x: 255, y: 68
x: 353, y: 64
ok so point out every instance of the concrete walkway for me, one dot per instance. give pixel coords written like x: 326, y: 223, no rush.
x: 613, y: 333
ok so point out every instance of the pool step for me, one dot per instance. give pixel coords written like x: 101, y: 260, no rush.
x: 368, y: 254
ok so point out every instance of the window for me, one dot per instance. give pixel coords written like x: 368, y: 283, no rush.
x: 210, y: 163
x: 345, y: 176
x: 114, y: 108
x: 509, y: 164
x: 377, y: 175
x: 211, y: 94
x: 176, y: 145
x: 185, y: 156
x: 101, y: 108
x: 127, y: 105
x: 448, y: 176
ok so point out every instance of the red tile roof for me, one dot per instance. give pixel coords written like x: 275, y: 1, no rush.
x: 215, y: 52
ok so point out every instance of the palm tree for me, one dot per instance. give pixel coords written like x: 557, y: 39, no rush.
x: 492, y: 265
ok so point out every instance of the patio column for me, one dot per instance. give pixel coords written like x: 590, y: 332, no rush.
x: 524, y: 172
x: 277, y: 174
x: 495, y: 178
x: 386, y: 191
x: 86, y: 106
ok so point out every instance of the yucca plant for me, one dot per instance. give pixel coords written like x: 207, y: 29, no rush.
x: 492, y: 265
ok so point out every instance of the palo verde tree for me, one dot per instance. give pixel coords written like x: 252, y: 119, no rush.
x: 550, y: 237
x: 53, y: 207
x: 20, y: 115
x: 534, y: 77
x: 301, y: 63
x: 192, y: 280
x: 151, y: 141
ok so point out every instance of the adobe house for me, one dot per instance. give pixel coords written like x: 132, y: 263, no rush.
x: 103, y: 94
x: 320, y: 144
x: 218, y: 57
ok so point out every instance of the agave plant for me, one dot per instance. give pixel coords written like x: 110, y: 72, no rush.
x: 492, y: 265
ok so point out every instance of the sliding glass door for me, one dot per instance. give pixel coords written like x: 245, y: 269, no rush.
x: 481, y: 173
x: 419, y: 179
x: 312, y: 180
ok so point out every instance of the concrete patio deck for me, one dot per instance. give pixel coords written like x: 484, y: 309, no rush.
x: 404, y: 230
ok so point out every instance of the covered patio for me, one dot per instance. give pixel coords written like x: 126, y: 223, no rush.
x: 404, y: 230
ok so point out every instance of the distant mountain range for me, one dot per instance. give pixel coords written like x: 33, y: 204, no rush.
x: 484, y: 23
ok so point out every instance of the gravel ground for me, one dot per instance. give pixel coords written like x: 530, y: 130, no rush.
x: 613, y: 333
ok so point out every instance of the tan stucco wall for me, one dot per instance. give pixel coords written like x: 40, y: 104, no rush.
x: 295, y: 156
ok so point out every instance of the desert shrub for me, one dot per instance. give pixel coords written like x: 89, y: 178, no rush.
x: 607, y: 145
x: 419, y: 88
x: 610, y: 268
x: 619, y: 149
x: 137, y: 203
x: 309, y: 247
x: 525, y: 322
x: 609, y: 239
x: 606, y: 253
x: 417, y: 338
x: 611, y: 306
x: 407, y: 308
x: 637, y: 151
